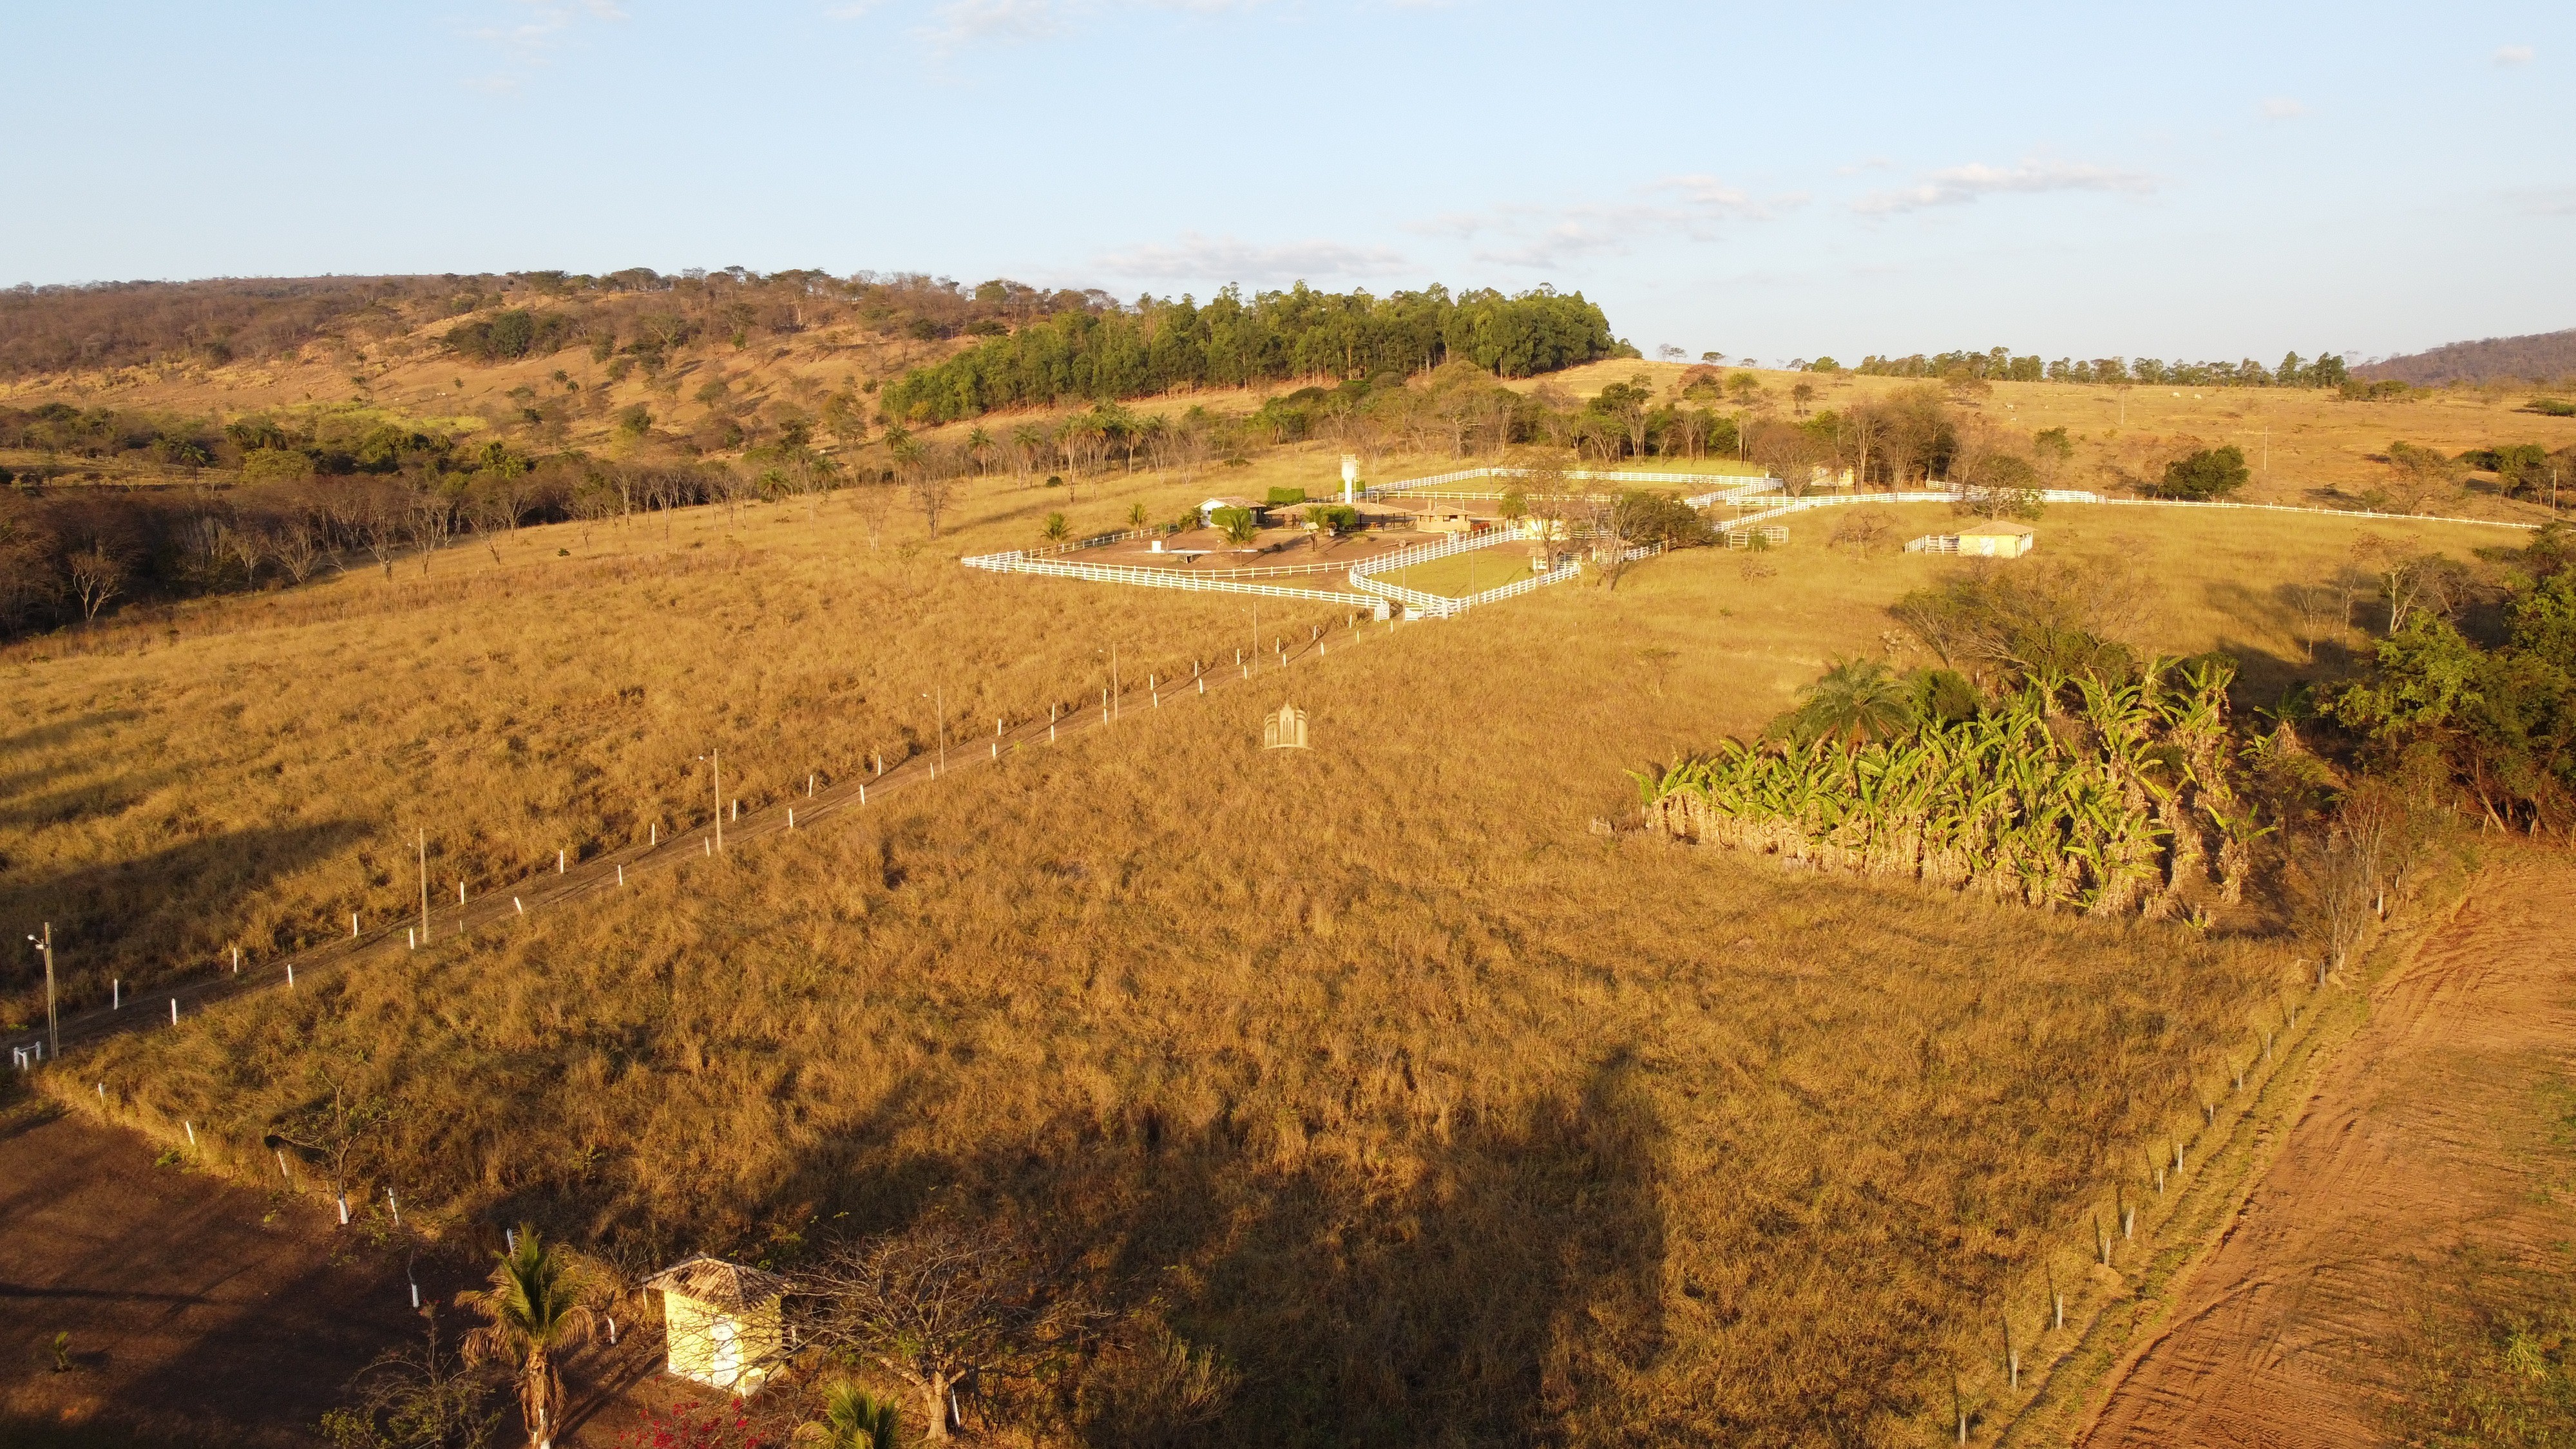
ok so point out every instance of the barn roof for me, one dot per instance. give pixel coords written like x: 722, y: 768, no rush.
x: 729, y: 1286
x: 1998, y: 530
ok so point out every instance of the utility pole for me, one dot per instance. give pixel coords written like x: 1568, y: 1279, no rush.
x: 424, y: 886
x: 53, y: 1026
x: 715, y: 759
x: 939, y: 702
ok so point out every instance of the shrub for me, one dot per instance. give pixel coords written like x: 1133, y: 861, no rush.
x: 2209, y: 473
x: 513, y: 333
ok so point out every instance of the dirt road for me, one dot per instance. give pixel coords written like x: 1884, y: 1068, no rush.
x: 195, y: 1306
x: 2416, y: 1142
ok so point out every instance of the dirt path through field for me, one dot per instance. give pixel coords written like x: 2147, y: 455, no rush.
x: 2414, y: 1144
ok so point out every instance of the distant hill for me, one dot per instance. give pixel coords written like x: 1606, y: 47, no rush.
x: 2539, y: 356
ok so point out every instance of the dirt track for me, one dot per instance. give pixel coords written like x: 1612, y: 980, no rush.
x: 218, y: 1313
x: 2412, y: 1146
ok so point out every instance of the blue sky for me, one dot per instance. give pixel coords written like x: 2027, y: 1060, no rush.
x: 1766, y: 181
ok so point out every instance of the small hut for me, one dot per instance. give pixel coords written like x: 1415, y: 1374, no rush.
x: 1997, y: 539
x: 723, y: 1322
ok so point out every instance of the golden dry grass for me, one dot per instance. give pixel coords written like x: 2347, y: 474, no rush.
x: 1448, y: 1119
x: 2300, y: 442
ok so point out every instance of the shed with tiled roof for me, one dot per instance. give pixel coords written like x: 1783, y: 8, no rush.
x: 724, y: 1322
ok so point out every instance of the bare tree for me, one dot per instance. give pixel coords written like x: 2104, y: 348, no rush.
x: 97, y: 576
x: 507, y: 493
x: 873, y: 501
x: 932, y: 492
x: 429, y: 517
x: 376, y: 516
x: 2332, y: 878
x: 247, y: 548
x: 335, y: 1123
x: 938, y: 1306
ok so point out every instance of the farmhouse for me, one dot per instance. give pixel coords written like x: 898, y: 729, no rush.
x: 723, y: 1322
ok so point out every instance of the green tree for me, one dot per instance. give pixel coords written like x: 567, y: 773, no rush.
x: 2209, y: 473
x: 1057, y: 529
x: 1855, y: 700
x: 852, y: 1419
x: 1238, y: 525
x: 533, y: 1314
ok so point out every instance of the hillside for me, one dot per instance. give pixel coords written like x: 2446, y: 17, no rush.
x: 2536, y: 357
x: 1372, y: 1070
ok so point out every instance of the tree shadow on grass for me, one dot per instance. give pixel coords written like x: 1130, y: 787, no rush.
x: 1478, y: 1283
x: 138, y: 919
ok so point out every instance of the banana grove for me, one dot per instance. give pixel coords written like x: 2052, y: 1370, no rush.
x: 2103, y: 797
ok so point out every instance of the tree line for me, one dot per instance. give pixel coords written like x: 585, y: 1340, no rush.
x: 67, y: 555
x: 223, y: 320
x: 2002, y: 364
x: 1160, y: 346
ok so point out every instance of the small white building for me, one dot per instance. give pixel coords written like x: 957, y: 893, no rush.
x: 722, y: 1321
x: 1212, y: 507
x: 1998, y: 539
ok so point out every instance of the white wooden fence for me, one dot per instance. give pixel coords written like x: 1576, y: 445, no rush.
x: 1775, y: 506
x: 1154, y: 578
x: 1609, y: 475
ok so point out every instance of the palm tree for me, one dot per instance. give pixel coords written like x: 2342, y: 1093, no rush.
x: 1857, y: 699
x: 535, y: 1315
x: 852, y: 1419
x: 1057, y: 528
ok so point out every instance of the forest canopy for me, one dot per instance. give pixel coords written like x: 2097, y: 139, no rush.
x: 1231, y: 342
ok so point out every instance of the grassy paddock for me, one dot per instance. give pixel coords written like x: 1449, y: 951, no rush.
x: 1443, y: 1116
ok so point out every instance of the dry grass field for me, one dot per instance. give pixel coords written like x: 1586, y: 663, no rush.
x: 2307, y: 446
x: 1372, y: 1067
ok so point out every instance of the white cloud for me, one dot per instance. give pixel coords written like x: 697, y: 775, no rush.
x: 1961, y: 185
x: 1521, y: 234
x: 1197, y: 258
x: 2282, y: 108
x: 2514, y: 54
x: 1874, y: 163
x: 956, y: 23
x: 531, y: 41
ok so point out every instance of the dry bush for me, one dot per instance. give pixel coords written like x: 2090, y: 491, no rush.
x: 1862, y: 530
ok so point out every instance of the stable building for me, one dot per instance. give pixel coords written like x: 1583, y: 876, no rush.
x: 724, y: 1322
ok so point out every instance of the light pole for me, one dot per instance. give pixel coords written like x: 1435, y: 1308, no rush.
x: 715, y: 761
x: 939, y: 702
x: 53, y: 1028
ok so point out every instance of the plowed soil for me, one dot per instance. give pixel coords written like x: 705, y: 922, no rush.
x: 2416, y: 1143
